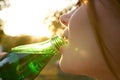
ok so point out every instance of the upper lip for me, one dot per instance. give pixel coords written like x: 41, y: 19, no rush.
x: 65, y: 33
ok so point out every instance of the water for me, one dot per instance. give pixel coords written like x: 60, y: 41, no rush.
x: 23, y: 66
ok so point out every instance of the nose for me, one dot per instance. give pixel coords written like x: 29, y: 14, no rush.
x: 66, y: 17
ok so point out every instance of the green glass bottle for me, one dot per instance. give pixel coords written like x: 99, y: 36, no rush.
x: 26, y: 61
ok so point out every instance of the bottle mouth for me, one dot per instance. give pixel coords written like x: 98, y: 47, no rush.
x: 58, y: 41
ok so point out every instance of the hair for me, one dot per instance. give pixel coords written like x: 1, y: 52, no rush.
x: 95, y: 23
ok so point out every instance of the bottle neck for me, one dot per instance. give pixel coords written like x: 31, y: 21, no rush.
x: 57, y: 42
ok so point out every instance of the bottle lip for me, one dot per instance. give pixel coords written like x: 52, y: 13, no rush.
x: 60, y: 36
x: 53, y: 45
x: 54, y: 39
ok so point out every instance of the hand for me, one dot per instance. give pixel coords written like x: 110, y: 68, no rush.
x: 2, y: 55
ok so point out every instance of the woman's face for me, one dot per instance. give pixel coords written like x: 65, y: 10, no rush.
x: 82, y: 55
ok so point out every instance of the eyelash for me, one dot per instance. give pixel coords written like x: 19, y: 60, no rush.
x: 78, y: 3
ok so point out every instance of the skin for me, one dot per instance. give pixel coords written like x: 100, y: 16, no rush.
x: 2, y: 54
x: 82, y: 56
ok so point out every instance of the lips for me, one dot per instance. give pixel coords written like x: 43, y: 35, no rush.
x: 61, y: 50
x: 65, y: 33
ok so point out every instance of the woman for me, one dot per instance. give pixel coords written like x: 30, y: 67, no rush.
x: 94, y: 39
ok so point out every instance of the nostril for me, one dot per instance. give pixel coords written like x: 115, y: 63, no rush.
x: 64, y: 22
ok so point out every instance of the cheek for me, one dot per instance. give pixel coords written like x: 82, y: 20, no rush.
x: 79, y: 62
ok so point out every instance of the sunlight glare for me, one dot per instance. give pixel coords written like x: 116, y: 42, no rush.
x: 26, y: 16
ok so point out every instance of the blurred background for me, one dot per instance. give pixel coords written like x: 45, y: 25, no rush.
x: 31, y: 21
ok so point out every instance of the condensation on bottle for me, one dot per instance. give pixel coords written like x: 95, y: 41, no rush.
x: 26, y: 61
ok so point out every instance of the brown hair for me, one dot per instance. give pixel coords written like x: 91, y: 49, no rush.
x: 94, y: 21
